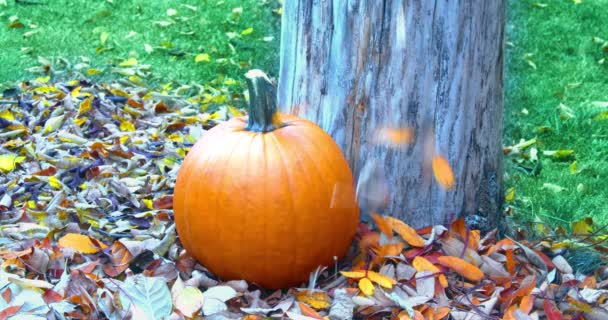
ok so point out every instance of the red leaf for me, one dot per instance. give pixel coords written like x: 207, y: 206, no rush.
x: 9, y: 311
x: 551, y: 310
x: 51, y: 296
x: 165, y: 202
x: 7, y: 295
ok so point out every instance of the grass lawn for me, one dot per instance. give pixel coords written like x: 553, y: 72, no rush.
x: 228, y: 36
x: 556, y: 92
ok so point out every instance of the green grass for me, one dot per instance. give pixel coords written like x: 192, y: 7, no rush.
x: 73, y: 30
x: 558, y: 40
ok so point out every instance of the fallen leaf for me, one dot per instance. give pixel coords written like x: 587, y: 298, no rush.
x: 463, y: 268
x: 81, y: 243
x: 405, y: 231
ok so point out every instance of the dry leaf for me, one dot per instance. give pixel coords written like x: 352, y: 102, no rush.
x: 463, y: 268
x: 81, y: 243
x: 405, y: 231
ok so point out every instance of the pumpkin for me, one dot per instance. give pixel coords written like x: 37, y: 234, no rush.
x: 266, y: 198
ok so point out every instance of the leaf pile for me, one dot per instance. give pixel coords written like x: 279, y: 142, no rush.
x: 87, y: 175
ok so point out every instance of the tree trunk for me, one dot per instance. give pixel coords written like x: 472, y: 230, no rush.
x: 356, y: 66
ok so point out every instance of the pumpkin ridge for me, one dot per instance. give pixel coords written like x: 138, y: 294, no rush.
x: 242, y: 262
x: 305, y: 157
x: 295, y: 225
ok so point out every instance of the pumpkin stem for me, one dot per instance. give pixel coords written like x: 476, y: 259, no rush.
x: 263, y: 114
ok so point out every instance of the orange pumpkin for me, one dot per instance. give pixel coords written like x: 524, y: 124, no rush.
x: 265, y: 198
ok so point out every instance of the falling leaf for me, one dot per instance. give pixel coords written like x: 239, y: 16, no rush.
x: 8, y: 162
x: 394, y: 137
x: 81, y: 243
x: 463, y: 268
x: 247, y: 31
x: 406, y: 232
x: 443, y: 172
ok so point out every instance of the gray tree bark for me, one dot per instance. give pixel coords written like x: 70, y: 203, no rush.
x: 355, y: 66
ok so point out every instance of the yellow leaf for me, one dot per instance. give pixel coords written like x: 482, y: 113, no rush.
x: 406, y: 232
x: 80, y: 121
x: 202, y: 57
x: 81, y: 243
x: 7, y: 115
x: 463, y: 268
x: 55, y: 183
x: 583, y: 226
x: 381, y: 279
x: 93, y: 71
x: 366, y: 286
x: 353, y: 274
x: 247, y: 31
x: 316, y: 299
x: 84, y: 107
x: 234, y: 111
x: 127, y: 126
x: 76, y: 92
x: 129, y: 63
x: 8, y: 162
x: 148, y: 203
x: 510, y: 194
x: 443, y: 172
x: 43, y: 79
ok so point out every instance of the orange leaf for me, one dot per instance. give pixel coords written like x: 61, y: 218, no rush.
x: 463, y: 268
x: 459, y: 227
x: 443, y: 172
x: 422, y: 264
x: 406, y: 232
x: 526, y: 304
x: 308, y: 311
x: 441, y: 312
x: 526, y: 286
x: 382, y: 224
x: 394, y: 137
x: 510, y: 261
x: 81, y: 243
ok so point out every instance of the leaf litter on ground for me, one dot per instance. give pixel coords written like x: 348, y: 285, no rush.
x: 86, y: 188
